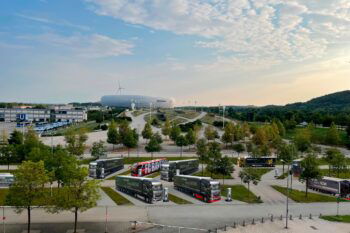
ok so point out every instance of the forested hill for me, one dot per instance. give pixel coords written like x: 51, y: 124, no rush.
x: 322, y: 110
x: 336, y: 101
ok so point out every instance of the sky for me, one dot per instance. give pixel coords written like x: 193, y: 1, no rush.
x: 204, y: 52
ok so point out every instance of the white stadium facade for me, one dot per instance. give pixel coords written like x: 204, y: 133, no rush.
x: 136, y: 101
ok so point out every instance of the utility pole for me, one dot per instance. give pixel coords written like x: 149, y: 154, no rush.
x: 223, y: 116
x: 287, y: 210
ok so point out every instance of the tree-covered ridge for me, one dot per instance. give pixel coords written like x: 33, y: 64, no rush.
x: 322, y: 110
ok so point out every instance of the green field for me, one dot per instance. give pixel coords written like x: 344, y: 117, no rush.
x: 283, y: 176
x: 116, y: 197
x: 3, y: 193
x: 262, y: 171
x: 342, y: 174
x: 240, y: 193
x: 319, y: 135
x: 7, y: 171
x: 334, y: 218
x: 153, y: 175
x: 212, y: 175
x: 299, y: 196
x: 178, y: 200
x: 89, y: 126
x: 125, y: 173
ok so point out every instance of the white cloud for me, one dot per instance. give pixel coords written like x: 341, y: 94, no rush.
x: 293, y: 30
x: 54, y: 22
x: 88, y: 46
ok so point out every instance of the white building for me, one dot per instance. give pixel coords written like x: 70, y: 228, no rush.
x: 54, y: 114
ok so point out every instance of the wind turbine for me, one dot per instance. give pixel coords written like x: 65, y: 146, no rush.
x: 120, y: 88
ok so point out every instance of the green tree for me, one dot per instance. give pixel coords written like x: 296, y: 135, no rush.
x: 191, y: 137
x: 158, y: 137
x: 3, y: 137
x: 77, y: 195
x: 181, y: 141
x: 302, y: 140
x: 147, y: 131
x: 260, y: 137
x: 28, y: 188
x: 175, y: 132
x: 310, y: 170
x: 224, y: 167
x: 98, y: 150
x: 166, y: 128
x: 332, y: 136
x: 287, y: 153
x: 202, y: 151
x: 214, y: 155
x: 249, y: 175
x: 75, y: 140
x: 210, y: 133
x: 153, y: 145
x: 16, y: 138
x: 336, y: 159
x: 6, y: 154
x: 130, y: 139
x: 113, y: 136
x: 229, y: 134
x: 239, y: 148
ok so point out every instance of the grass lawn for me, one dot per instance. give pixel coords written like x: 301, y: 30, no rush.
x: 133, y: 160
x: 116, y: 197
x: 7, y: 171
x: 178, y: 200
x: 240, y: 192
x: 86, y: 161
x: 153, y: 175
x: 319, y: 135
x: 89, y: 126
x: 126, y: 173
x: 212, y: 175
x: 283, y: 176
x: 261, y: 171
x: 3, y: 193
x: 334, y: 218
x: 208, y: 119
x: 299, y: 196
x: 342, y: 174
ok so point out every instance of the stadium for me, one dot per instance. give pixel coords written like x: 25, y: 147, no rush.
x: 136, y: 101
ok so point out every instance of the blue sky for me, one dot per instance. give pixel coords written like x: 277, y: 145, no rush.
x: 212, y: 52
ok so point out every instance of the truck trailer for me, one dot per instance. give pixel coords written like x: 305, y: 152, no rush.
x: 101, y: 168
x: 331, y: 185
x: 257, y: 162
x: 151, y: 190
x: 203, y: 188
x: 168, y: 170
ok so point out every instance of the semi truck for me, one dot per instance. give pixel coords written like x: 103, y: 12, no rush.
x: 146, y: 167
x: 101, y: 168
x: 203, y: 188
x: 168, y: 170
x: 151, y: 190
x: 257, y: 162
x: 331, y: 185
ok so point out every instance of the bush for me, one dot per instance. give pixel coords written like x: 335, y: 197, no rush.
x: 104, y: 127
x: 190, y: 125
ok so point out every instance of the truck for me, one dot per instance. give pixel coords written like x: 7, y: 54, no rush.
x: 146, y: 167
x: 168, y: 170
x: 151, y: 190
x: 257, y: 162
x: 6, y: 179
x: 101, y: 168
x: 331, y: 185
x: 202, y: 188
x: 296, y: 167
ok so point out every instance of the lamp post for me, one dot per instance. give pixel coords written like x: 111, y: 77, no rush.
x: 287, y: 202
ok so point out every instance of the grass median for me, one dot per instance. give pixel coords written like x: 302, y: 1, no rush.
x: 178, y: 200
x: 126, y: 173
x: 339, y: 218
x: 116, y: 197
x: 207, y: 173
x: 240, y: 193
x: 299, y: 196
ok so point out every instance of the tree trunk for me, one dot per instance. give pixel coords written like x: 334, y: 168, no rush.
x: 128, y: 152
x: 329, y: 170
x: 75, y: 219
x: 29, y: 219
x: 202, y: 168
x: 152, y: 155
x: 248, y: 190
x: 283, y: 168
x: 181, y: 152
